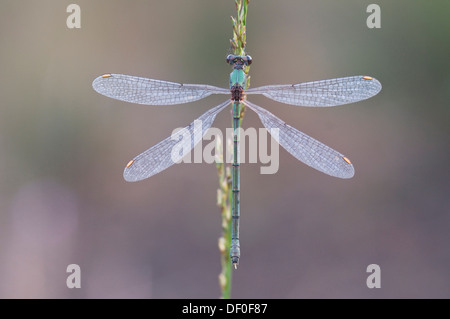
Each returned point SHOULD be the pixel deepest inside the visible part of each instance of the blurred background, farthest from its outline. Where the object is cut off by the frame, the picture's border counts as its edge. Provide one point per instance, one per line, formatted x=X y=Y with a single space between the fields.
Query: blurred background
x=304 y=234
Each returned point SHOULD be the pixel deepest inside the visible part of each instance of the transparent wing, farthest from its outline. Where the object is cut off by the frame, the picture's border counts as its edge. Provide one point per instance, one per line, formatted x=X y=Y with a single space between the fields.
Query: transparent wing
x=322 y=93
x=305 y=148
x=151 y=92
x=172 y=149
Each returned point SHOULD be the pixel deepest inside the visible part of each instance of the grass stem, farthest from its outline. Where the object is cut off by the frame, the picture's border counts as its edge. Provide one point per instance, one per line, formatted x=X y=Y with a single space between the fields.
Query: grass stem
x=224 y=193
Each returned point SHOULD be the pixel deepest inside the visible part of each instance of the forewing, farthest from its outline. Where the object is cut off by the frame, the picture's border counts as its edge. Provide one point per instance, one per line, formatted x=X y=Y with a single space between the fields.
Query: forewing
x=151 y=92
x=322 y=93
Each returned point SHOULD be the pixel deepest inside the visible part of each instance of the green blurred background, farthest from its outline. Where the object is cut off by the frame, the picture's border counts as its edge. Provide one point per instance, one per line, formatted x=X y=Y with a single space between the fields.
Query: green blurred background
x=303 y=234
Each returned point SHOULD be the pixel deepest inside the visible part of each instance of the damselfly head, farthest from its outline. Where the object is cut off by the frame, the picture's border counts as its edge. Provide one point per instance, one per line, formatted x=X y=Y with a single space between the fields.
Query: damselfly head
x=239 y=60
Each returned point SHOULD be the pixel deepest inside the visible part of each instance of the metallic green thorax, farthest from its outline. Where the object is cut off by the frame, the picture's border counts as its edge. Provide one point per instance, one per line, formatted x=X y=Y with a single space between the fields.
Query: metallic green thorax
x=238 y=78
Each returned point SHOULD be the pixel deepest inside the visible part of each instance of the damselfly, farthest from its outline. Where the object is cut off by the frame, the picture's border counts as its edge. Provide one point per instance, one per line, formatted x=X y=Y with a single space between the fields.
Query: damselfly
x=306 y=149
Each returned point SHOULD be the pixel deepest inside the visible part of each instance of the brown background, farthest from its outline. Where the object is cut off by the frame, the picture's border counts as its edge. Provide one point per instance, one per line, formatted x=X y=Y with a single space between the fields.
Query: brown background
x=303 y=234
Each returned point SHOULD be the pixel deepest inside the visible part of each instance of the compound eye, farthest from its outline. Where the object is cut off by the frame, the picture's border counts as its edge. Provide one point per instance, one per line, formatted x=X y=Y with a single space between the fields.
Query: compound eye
x=229 y=57
x=249 y=60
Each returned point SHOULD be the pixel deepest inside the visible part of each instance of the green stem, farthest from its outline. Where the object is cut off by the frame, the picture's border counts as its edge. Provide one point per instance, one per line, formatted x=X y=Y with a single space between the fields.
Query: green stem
x=224 y=193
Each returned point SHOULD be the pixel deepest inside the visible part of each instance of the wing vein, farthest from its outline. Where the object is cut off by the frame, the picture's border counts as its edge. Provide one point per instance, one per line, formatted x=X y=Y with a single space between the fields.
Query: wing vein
x=151 y=92
x=303 y=147
x=324 y=93
x=173 y=148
